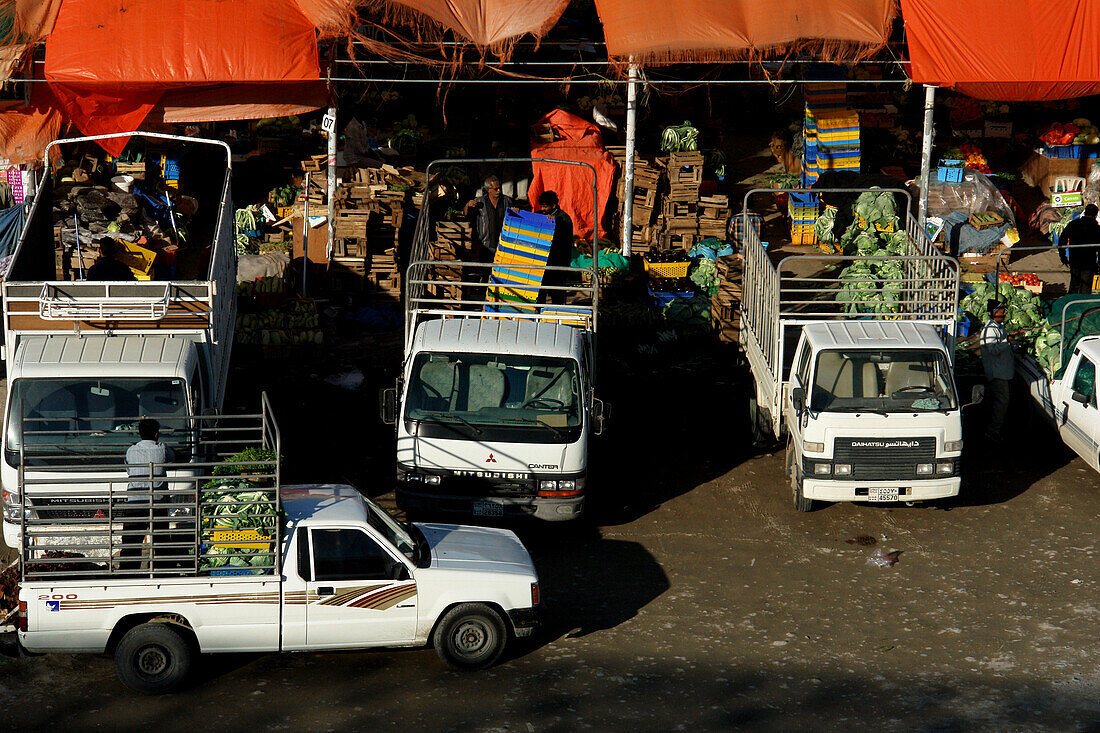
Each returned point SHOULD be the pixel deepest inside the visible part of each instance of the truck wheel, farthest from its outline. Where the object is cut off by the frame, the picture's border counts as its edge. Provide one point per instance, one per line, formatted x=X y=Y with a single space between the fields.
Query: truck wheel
x=470 y=636
x=759 y=427
x=153 y=659
x=801 y=503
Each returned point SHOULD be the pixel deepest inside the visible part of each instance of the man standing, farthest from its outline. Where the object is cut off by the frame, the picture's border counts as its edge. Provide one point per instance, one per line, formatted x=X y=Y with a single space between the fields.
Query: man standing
x=139 y=500
x=491 y=206
x=561 y=247
x=999 y=365
x=1081 y=259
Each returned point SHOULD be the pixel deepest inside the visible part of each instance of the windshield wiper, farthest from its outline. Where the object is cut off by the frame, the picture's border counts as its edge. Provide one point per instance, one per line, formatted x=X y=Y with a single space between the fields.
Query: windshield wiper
x=534 y=420
x=464 y=421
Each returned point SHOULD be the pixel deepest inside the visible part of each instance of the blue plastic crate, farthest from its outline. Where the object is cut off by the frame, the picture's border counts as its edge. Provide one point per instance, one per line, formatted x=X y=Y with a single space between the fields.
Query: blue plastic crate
x=662 y=298
x=1069 y=151
x=950 y=174
x=226 y=572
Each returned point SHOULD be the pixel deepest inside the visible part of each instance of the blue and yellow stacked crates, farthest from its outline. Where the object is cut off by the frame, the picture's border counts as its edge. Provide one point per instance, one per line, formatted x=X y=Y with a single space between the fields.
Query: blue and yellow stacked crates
x=525 y=239
x=802 y=208
x=832 y=142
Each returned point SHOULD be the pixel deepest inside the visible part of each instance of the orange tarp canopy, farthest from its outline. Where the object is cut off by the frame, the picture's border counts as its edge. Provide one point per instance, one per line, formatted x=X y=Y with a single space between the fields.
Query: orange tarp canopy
x=1032 y=51
x=663 y=31
x=485 y=22
x=582 y=142
x=110 y=63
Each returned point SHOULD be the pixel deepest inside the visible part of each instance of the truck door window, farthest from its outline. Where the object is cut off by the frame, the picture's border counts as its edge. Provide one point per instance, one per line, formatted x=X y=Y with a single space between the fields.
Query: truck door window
x=1084 y=381
x=303 y=553
x=348 y=554
x=803 y=371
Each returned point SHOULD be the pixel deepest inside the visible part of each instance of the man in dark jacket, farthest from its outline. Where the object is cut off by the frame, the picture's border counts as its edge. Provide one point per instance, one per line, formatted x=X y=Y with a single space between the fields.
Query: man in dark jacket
x=1081 y=259
x=491 y=206
x=561 y=247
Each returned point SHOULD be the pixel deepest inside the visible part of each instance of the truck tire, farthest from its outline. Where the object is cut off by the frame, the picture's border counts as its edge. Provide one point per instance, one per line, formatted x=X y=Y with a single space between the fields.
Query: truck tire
x=470 y=636
x=153 y=659
x=759 y=423
x=801 y=503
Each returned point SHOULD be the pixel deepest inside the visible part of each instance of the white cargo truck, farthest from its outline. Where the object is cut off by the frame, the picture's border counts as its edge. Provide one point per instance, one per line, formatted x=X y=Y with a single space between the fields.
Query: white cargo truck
x=265 y=568
x=86 y=359
x=495 y=408
x=858 y=379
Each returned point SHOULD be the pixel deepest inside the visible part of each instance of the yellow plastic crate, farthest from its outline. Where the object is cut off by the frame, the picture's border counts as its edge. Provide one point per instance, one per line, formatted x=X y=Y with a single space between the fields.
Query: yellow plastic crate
x=137 y=258
x=245 y=539
x=667 y=269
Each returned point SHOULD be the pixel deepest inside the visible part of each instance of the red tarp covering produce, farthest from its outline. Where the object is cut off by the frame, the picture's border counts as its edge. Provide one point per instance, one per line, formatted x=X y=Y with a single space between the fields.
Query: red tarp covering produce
x=660 y=31
x=580 y=141
x=1029 y=51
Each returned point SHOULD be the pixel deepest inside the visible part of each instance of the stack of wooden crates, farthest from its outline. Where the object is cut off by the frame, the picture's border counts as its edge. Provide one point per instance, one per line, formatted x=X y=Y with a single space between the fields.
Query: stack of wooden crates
x=725 y=305
x=647 y=178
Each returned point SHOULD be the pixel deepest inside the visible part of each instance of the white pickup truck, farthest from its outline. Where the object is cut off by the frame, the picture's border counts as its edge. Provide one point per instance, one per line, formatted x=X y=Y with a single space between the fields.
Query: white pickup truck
x=1067 y=401
x=346 y=576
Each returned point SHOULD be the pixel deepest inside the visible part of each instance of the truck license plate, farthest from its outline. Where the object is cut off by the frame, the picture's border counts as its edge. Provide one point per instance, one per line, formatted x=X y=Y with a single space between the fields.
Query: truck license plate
x=882 y=494
x=496 y=509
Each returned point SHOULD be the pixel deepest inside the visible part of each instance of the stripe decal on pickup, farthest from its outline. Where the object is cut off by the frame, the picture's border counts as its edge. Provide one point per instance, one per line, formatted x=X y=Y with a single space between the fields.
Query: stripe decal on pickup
x=378 y=597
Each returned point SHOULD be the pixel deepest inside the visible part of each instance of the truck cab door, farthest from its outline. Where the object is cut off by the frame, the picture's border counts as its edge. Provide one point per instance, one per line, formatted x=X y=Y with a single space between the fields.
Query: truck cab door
x=359 y=593
x=1079 y=420
x=800 y=379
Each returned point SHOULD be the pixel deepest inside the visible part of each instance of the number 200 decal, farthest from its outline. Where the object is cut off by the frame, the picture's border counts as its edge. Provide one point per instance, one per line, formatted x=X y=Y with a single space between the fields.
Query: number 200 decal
x=58 y=597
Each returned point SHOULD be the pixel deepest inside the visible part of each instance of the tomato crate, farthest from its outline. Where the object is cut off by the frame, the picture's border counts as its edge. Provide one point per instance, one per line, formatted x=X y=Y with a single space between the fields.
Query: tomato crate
x=667 y=269
x=1027 y=280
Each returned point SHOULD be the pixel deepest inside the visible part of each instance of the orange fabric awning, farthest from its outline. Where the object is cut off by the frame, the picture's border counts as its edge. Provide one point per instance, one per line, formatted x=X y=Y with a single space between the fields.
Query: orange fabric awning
x=655 y=31
x=484 y=22
x=110 y=63
x=1039 y=50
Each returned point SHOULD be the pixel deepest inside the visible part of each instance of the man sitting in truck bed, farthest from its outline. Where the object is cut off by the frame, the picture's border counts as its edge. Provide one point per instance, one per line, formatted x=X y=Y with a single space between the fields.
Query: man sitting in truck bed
x=107 y=267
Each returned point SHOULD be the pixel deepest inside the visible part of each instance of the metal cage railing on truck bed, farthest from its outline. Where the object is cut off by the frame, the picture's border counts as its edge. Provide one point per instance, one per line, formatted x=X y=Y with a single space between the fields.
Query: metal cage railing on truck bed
x=450 y=289
x=783 y=293
x=215 y=515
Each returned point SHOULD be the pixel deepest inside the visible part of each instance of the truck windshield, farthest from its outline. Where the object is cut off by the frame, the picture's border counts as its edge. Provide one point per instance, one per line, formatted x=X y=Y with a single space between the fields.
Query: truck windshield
x=898 y=380
x=70 y=421
x=477 y=391
x=380 y=519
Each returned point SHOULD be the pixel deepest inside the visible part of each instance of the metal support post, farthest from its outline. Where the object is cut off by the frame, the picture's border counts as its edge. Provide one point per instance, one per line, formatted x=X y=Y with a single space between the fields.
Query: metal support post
x=926 y=153
x=332 y=184
x=628 y=167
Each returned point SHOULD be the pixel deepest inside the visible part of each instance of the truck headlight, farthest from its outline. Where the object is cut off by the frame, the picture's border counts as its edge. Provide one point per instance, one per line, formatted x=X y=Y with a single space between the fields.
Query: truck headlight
x=953 y=446
x=548 y=485
x=567 y=485
x=945 y=467
x=809 y=447
x=10 y=505
x=433 y=480
x=924 y=469
x=843 y=469
x=823 y=469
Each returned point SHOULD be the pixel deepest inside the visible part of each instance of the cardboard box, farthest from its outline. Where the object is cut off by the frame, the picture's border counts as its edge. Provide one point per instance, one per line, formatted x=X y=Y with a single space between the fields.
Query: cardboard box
x=318 y=242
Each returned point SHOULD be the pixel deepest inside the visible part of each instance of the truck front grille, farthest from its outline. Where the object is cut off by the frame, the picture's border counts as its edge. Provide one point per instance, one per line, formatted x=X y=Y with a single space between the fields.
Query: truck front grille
x=884 y=459
x=474 y=487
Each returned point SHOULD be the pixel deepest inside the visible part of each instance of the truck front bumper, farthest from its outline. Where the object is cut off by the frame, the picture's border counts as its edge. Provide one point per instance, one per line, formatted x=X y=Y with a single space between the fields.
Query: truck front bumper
x=525 y=621
x=548 y=509
x=909 y=490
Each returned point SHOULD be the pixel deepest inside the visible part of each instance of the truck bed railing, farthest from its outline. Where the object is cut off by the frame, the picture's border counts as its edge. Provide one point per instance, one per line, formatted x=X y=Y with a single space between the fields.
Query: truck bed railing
x=50 y=307
x=803 y=289
x=210 y=516
x=451 y=289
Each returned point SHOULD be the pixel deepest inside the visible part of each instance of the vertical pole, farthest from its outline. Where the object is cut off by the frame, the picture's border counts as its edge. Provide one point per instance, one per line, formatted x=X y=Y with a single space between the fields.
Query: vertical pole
x=628 y=166
x=305 y=234
x=926 y=153
x=332 y=184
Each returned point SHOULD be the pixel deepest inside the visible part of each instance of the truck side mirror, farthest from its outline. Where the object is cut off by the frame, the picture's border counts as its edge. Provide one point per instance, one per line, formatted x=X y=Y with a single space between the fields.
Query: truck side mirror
x=387 y=405
x=1080 y=397
x=976 y=395
x=798 y=399
x=600 y=412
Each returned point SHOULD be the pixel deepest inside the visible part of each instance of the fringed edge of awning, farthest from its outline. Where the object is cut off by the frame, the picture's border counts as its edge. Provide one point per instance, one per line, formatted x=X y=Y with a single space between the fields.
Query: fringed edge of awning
x=826 y=50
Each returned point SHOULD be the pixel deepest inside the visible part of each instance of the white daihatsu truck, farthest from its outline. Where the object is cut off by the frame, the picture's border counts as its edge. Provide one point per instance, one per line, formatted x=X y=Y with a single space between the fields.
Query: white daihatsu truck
x=861 y=385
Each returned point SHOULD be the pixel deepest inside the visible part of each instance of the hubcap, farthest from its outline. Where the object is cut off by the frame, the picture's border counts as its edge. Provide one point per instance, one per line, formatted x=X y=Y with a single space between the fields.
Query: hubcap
x=471 y=637
x=152 y=661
